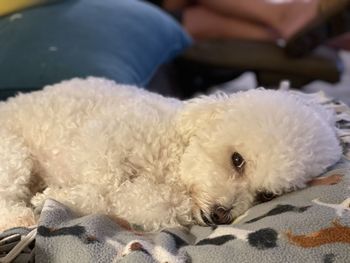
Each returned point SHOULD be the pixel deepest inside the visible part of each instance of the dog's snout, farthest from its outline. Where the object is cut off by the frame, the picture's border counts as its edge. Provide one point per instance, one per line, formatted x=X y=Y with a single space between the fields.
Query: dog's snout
x=221 y=216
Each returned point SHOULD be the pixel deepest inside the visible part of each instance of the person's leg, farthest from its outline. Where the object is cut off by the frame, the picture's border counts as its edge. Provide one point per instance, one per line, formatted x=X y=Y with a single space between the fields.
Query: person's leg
x=203 y=23
x=286 y=17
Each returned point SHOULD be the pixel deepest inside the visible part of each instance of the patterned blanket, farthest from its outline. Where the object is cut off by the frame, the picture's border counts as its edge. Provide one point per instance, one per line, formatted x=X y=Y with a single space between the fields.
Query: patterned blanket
x=309 y=225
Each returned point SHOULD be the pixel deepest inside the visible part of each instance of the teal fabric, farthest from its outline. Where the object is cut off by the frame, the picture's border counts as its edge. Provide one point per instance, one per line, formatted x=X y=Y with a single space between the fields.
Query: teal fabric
x=124 y=40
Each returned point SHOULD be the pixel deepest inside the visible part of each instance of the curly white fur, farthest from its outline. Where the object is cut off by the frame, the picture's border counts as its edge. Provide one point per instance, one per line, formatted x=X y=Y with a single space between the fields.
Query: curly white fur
x=101 y=147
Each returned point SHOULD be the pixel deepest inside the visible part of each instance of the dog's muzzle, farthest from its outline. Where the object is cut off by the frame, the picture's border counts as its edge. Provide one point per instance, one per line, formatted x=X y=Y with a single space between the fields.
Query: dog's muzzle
x=219 y=216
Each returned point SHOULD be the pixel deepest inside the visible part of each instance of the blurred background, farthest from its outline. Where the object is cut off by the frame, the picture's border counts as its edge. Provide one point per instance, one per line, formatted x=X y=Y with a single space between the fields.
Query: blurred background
x=178 y=48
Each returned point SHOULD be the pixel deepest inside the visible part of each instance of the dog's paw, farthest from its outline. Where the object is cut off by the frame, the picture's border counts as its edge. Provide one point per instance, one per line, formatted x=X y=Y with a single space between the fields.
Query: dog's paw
x=16 y=216
x=25 y=221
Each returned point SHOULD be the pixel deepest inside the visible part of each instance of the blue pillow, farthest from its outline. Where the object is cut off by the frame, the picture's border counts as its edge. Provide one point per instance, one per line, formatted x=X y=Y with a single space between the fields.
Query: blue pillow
x=124 y=40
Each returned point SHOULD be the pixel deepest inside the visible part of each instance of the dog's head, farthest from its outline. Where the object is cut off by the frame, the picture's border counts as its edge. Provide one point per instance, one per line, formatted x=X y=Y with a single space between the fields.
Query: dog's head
x=248 y=143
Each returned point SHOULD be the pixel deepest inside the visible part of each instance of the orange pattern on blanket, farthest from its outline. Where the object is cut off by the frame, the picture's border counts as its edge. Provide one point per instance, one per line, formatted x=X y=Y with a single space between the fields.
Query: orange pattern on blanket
x=121 y=222
x=125 y=224
x=328 y=180
x=335 y=234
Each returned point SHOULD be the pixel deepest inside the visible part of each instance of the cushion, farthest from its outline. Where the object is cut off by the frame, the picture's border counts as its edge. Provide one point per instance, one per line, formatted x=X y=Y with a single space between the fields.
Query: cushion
x=123 y=40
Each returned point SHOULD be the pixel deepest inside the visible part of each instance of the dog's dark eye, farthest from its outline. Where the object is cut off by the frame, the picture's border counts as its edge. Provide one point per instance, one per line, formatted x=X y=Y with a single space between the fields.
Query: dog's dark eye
x=237 y=161
x=262 y=197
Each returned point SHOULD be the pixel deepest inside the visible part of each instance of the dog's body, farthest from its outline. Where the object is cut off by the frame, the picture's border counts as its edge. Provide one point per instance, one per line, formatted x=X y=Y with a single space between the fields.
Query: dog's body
x=155 y=161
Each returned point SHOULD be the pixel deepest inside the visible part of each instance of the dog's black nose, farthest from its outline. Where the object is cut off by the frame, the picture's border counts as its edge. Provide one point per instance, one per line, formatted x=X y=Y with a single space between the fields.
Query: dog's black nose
x=221 y=216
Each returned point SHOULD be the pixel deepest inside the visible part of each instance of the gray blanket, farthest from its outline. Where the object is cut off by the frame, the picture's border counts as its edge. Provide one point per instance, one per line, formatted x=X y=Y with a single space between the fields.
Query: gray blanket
x=309 y=225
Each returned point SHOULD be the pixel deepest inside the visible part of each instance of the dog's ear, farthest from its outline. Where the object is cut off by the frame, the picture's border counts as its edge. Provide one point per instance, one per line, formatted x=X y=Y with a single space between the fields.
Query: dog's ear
x=200 y=112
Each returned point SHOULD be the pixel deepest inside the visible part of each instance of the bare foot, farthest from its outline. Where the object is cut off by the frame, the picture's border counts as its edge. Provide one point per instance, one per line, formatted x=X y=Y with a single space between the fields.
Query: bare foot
x=291 y=17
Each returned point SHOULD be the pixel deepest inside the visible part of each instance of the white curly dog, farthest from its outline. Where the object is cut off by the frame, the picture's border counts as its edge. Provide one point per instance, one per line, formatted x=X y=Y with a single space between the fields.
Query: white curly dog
x=99 y=147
